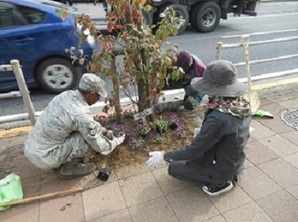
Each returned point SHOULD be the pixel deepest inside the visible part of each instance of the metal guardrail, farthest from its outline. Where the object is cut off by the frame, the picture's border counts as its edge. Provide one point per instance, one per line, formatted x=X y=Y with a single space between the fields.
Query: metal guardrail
x=245 y=44
x=16 y=68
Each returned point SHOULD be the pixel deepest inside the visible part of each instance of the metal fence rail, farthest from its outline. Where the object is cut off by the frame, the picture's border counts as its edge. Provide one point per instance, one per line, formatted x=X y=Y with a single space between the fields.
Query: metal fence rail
x=16 y=68
x=245 y=44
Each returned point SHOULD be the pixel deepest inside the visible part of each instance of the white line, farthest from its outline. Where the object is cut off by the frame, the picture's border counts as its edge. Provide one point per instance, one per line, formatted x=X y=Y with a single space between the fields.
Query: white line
x=263 y=16
x=261 y=33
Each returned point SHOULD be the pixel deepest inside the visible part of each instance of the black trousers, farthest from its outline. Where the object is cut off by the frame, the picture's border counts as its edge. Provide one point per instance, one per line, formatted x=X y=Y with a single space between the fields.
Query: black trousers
x=203 y=170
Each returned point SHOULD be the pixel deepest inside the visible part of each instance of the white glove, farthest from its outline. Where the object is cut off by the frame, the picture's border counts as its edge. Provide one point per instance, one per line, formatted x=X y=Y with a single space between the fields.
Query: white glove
x=196 y=132
x=119 y=139
x=156 y=159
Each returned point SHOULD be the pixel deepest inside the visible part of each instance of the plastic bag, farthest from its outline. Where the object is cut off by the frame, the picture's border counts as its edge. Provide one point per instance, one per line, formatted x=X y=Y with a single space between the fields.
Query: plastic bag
x=10 y=189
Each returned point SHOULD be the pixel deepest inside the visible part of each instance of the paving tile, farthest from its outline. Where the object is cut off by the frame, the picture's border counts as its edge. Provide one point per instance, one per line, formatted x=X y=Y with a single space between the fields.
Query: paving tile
x=31 y=187
x=218 y=218
x=257 y=184
x=154 y=210
x=250 y=212
x=275 y=124
x=264 y=101
x=230 y=200
x=248 y=164
x=131 y=170
x=103 y=200
x=293 y=191
x=140 y=188
x=291 y=136
x=21 y=213
x=50 y=182
x=260 y=131
x=289 y=103
x=281 y=171
x=68 y=208
x=23 y=168
x=192 y=205
x=279 y=145
x=121 y=216
x=292 y=159
x=274 y=108
x=167 y=183
x=280 y=206
x=258 y=153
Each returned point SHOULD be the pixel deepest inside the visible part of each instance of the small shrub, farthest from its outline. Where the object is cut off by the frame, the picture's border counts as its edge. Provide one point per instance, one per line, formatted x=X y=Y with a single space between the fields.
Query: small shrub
x=157 y=138
x=161 y=125
x=143 y=129
x=136 y=143
x=181 y=132
x=118 y=129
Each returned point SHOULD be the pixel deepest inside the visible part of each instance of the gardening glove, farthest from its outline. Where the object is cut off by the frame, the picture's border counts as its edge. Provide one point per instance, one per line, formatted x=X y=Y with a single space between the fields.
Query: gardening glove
x=107 y=133
x=156 y=159
x=119 y=139
x=196 y=132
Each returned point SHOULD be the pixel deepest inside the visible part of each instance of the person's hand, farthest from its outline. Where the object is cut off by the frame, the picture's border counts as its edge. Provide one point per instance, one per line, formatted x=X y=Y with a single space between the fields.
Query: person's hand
x=119 y=139
x=156 y=159
x=110 y=134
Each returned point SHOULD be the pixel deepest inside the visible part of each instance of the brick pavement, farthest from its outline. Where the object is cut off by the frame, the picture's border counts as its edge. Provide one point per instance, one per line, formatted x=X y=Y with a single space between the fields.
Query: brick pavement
x=268 y=190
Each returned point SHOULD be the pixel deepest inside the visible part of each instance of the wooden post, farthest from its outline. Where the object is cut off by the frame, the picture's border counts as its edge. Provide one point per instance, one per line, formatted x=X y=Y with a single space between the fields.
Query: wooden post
x=23 y=89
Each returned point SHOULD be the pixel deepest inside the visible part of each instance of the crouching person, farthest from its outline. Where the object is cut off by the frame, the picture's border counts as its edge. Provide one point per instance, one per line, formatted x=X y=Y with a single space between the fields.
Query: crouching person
x=66 y=131
x=216 y=155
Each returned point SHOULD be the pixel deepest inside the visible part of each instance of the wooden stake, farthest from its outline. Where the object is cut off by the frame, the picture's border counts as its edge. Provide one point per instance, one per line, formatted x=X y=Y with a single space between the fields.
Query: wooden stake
x=42 y=197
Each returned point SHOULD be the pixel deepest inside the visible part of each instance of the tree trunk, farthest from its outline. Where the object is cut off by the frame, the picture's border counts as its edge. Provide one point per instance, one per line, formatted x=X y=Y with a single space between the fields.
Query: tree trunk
x=116 y=91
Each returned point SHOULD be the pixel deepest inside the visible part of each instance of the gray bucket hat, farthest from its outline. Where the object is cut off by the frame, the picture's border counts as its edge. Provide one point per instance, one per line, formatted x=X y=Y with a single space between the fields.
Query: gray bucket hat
x=92 y=83
x=219 y=79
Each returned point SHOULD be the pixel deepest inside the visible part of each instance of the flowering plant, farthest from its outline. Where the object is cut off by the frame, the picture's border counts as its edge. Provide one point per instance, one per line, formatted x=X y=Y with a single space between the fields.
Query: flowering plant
x=161 y=125
x=143 y=129
x=118 y=129
x=174 y=121
x=181 y=132
x=136 y=143
x=157 y=138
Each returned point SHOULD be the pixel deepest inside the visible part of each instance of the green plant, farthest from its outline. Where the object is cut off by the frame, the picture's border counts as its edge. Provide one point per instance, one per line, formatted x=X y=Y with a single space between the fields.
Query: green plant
x=157 y=138
x=136 y=143
x=143 y=129
x=145 y=58
x=161 y=125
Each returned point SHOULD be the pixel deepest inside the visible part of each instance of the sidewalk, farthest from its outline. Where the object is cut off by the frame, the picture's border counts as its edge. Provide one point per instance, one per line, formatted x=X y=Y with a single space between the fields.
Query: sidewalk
x=268 y=190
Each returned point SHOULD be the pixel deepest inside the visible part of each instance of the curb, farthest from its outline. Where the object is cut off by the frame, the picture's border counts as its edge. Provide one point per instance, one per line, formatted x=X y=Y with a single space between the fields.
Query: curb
x=15 y=132
x=263 y=84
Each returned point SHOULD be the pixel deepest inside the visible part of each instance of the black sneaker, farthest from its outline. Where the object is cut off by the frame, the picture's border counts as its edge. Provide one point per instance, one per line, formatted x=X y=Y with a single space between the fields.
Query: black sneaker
x=215 y=191
x=236 y=179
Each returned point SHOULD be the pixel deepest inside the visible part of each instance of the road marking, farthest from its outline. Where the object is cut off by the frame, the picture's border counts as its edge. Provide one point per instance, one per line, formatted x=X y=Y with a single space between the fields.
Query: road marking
x=263 y=16
x=261 y=33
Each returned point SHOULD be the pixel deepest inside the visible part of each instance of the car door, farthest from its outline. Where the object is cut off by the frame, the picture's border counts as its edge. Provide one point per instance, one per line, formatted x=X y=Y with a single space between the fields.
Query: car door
x=20 y=34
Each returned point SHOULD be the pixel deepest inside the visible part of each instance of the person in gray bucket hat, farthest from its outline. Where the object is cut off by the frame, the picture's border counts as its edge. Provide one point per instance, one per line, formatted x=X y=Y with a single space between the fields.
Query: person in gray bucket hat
x=66 y=131
x=215 y=157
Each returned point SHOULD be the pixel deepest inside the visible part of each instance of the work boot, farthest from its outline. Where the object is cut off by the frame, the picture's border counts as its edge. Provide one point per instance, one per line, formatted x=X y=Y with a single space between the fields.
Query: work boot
x=75 y=169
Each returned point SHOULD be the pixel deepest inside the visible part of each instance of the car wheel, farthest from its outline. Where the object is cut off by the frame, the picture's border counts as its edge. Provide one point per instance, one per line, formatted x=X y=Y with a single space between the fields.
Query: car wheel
x=57 y=75
x=181 y=11
x=205 y=17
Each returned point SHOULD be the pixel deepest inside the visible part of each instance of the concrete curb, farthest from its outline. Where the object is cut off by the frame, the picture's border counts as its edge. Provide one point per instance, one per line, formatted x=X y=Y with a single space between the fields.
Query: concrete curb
x=173 y=94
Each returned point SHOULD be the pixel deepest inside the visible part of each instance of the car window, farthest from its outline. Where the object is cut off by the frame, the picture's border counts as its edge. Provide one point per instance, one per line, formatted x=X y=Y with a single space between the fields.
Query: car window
x=9 y=16
x=32 y=16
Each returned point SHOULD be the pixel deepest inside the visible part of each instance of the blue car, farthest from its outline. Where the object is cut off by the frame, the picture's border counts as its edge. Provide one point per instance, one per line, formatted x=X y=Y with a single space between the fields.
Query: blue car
x=32 y=32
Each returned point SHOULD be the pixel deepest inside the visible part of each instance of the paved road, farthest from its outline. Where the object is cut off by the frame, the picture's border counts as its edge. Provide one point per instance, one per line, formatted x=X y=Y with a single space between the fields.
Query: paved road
x=274 y=20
